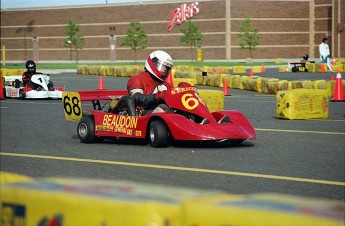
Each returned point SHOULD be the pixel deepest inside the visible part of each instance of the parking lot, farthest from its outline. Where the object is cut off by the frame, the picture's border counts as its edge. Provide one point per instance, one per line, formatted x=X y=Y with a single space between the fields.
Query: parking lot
x=300 y=157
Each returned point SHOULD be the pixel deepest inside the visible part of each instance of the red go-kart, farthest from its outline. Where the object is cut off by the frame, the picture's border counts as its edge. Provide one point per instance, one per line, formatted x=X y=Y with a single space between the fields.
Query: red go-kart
x=187 y=120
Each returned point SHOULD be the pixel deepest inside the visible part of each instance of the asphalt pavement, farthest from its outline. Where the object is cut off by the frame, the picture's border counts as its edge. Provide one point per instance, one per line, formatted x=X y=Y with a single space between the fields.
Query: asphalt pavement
x=300 y=157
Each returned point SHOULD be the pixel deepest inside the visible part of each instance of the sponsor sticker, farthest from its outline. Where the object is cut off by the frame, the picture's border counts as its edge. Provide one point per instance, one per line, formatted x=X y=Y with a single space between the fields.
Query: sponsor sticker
x=13 y=214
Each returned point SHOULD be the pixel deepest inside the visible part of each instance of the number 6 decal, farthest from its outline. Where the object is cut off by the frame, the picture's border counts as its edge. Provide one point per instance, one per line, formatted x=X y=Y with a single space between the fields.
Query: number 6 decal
x=72 y=106
x=189 y=101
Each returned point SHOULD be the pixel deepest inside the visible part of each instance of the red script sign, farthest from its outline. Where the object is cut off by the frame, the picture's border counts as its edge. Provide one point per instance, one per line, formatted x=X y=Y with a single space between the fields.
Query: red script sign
x=181 y=14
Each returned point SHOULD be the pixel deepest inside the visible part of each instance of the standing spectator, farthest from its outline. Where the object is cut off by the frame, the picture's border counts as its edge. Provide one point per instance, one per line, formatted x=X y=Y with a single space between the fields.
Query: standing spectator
x=324 y=53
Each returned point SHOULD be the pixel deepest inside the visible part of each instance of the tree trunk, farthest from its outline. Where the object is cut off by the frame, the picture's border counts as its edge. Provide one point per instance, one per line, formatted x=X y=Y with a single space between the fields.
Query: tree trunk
x=250 y=52
x=191 y=52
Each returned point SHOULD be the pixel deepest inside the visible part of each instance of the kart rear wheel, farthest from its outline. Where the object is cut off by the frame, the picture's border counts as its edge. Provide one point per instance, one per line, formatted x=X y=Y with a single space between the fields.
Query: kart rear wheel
x=158 y=134
x=86 y=130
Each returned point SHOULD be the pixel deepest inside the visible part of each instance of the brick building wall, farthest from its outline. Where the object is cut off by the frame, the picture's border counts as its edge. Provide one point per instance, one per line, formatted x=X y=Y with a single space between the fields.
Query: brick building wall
x=287 y=29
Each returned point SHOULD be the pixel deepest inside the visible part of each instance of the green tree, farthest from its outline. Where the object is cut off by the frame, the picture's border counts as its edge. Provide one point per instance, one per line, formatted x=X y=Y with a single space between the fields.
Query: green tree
x=136 y=38
x=74 y=40
x=191 y=36
x=249 y=37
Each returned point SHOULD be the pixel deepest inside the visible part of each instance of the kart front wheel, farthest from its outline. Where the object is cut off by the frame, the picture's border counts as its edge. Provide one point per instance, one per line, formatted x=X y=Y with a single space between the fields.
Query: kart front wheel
x=86 y=130
x=158 y=134
x=236 y=141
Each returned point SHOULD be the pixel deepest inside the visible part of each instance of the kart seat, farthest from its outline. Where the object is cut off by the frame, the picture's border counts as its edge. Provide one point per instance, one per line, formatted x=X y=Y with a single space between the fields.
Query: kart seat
x=125 y=104
x=224 y=119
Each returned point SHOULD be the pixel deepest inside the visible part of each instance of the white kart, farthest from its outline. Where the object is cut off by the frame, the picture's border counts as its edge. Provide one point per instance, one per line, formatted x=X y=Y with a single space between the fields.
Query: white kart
x=13 y=88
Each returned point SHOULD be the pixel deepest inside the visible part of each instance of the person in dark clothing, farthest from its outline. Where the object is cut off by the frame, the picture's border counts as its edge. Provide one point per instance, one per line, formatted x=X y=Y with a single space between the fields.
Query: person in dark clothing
x=30 y=71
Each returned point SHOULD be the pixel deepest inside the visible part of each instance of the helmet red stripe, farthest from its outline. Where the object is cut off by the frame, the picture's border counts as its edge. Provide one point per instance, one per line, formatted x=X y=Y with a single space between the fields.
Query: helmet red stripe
x=153 y=67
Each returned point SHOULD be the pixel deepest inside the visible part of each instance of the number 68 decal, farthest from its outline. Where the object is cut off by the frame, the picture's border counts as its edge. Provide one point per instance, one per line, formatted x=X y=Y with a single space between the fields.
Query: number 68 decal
x=72 y=106
x=189 y=101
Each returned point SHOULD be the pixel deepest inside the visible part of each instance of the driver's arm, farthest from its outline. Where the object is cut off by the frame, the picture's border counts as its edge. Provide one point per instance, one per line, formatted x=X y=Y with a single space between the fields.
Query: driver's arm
x=135 y=89
x=142 y=99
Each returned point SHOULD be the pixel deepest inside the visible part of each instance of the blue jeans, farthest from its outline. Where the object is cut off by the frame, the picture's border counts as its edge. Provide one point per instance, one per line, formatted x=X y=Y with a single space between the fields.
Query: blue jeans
x=324 y=60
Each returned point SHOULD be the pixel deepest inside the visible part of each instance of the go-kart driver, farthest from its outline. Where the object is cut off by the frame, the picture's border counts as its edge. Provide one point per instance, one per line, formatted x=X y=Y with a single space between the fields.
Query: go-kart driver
x=147 y=89
x=30 y=71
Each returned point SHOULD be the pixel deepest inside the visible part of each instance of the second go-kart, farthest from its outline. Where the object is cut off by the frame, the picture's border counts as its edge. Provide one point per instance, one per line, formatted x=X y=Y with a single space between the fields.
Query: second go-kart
x=187 y=120
x=13 y=88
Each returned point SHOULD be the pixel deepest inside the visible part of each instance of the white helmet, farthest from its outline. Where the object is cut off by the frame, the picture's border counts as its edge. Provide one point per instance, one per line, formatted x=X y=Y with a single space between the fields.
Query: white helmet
x=159 y=64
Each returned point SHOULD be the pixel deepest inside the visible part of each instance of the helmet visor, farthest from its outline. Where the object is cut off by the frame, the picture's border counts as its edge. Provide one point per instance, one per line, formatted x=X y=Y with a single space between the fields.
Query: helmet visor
x=163 y=68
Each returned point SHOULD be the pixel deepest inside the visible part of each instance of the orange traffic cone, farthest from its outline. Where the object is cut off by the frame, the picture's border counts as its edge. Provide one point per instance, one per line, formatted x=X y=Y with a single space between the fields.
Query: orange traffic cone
x=332 y=77
x=170 y=79
x=2 y=91
x=263 y=68
x=338 y=94
x=225 y=88
x=100 y=83
x=334 y=62
x=322 y=67
x=251 y=73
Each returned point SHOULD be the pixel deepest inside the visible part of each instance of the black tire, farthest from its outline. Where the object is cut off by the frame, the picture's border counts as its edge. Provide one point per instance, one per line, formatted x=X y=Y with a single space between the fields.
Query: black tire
x=4 y=93
x=50 y=86
x=22 y=94
x=86 y=130
x=17 y=83
x=236 y=141
x=158 y=134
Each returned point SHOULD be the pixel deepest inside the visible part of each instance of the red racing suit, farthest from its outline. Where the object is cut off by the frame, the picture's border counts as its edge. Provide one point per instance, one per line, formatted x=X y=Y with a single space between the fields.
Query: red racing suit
x=145 y=89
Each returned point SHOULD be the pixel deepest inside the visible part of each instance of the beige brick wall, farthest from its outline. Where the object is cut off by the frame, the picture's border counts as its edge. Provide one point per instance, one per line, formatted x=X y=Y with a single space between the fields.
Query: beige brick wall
x=283 y=29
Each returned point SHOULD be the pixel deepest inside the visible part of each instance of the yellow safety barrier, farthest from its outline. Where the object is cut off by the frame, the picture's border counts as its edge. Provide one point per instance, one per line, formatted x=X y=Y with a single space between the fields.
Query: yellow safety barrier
x=236 y=82
x=93 y=202
x=263 y=209
x=209 y=79
x=179 y=80
x=239 y=69
x=216 y=76
x=10 y=72
x=256 y=69
x=265 y=84
x=7 y=177
x=222 y=70
x=73 y=201
x=274 y=86
x=214 y=99
x=81 y=69
x=338 y=67
x=302 y=104
x=218 y=80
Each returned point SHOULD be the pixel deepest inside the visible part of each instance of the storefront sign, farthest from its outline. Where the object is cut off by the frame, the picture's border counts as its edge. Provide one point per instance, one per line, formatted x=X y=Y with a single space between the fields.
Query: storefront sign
x=182 y=13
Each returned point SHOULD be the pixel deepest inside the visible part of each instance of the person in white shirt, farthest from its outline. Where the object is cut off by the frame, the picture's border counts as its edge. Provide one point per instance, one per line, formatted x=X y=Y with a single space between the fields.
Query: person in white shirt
x=324 y=53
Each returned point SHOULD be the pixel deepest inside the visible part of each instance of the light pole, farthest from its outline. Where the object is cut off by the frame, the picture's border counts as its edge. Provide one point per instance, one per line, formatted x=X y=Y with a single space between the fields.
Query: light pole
x=112 y=44
x=112 y=49
x=70 y=48
x=35 y=48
